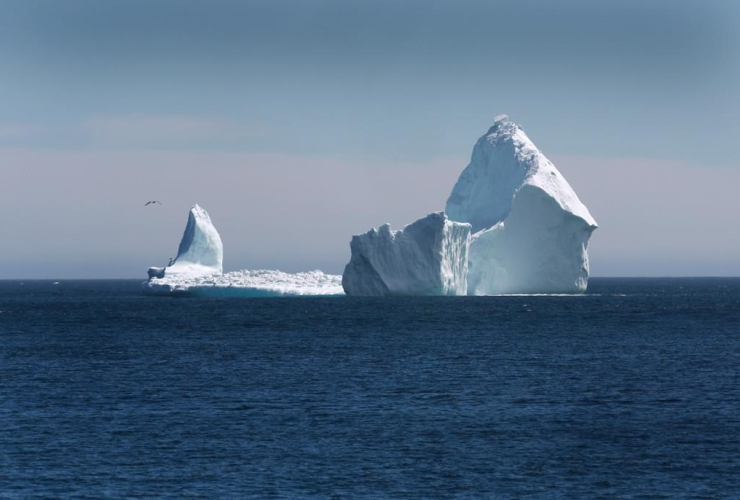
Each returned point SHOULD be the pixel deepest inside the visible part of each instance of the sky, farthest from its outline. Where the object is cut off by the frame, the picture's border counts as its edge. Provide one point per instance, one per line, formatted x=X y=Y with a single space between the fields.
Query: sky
x=297 y=124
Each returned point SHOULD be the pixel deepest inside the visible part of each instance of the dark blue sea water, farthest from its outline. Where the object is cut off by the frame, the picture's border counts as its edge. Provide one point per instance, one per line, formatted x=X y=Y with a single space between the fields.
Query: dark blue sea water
x=631 y=391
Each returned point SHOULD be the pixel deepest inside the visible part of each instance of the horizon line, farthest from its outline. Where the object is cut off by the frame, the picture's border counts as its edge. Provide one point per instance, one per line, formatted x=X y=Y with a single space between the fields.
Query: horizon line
x=590 y=278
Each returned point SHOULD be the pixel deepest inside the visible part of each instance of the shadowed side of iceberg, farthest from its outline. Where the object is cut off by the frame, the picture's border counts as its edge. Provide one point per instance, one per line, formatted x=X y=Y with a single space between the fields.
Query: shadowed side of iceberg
x=539 y=248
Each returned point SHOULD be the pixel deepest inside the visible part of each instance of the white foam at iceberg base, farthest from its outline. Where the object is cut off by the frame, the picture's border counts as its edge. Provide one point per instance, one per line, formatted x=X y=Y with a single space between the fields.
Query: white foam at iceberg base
x=261 y=283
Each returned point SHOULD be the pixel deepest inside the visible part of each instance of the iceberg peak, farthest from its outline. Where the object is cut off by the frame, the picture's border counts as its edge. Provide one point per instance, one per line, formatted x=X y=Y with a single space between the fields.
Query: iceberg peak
x=530 y=229
x=201 y=251
x=503 y=160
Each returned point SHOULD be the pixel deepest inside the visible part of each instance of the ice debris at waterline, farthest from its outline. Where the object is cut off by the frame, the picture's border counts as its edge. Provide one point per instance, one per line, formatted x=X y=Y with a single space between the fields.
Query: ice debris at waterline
x=427 y=257
x=531 y=230
x=201 y=251
x=198 y=270
x=261 y=283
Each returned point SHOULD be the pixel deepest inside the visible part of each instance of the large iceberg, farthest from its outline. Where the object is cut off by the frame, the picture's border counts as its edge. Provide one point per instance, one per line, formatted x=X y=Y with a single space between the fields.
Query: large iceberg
x=427 y=257
x=531 y=231
x=200 y=253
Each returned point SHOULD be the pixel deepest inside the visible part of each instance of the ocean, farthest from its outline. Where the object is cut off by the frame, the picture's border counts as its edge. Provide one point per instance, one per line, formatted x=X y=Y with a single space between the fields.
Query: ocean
x=629 y=391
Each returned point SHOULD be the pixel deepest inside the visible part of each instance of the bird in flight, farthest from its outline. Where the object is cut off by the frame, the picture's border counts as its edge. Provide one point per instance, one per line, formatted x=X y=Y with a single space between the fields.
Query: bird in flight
x=150 y=202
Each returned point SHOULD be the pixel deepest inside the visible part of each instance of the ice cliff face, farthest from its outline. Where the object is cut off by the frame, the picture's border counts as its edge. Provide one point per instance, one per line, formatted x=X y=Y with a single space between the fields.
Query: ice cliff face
x=531 y=230
x=427 y=257
x=201 y=251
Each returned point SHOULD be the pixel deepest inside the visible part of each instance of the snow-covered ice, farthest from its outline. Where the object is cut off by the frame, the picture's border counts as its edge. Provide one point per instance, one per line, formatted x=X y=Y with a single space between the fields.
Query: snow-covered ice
x=427 y=257
x=531 y=231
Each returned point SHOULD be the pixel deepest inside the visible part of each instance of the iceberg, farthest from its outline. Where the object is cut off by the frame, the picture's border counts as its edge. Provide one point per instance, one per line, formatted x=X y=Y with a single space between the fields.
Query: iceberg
x=426 y=257
x=531 y=231
x=512 y=225
x=198 y=270
x=201 y=251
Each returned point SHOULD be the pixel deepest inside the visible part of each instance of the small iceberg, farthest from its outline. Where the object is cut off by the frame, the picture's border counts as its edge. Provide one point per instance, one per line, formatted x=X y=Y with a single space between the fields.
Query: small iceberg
x=198 y=270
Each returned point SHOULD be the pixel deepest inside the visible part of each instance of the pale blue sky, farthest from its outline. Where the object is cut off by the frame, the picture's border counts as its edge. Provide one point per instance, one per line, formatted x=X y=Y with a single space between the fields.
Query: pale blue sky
x=297 y=124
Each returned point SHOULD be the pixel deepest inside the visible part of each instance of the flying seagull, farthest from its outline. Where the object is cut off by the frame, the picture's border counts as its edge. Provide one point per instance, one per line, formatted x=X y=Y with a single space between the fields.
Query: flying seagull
x=153 y=201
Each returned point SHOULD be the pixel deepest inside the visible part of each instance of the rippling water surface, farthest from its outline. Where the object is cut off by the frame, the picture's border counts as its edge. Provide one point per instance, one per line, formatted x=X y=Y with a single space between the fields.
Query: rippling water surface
x=632 y=390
